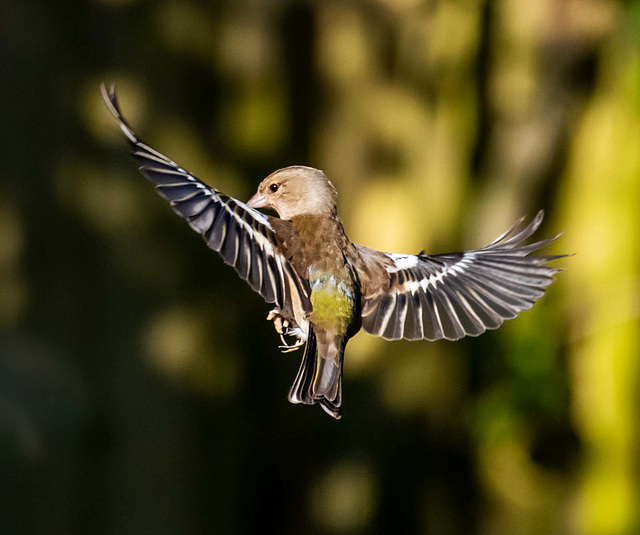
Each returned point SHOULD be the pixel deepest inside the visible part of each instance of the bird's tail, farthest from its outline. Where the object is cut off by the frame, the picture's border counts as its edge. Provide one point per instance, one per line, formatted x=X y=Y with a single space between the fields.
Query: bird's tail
x=319 y=378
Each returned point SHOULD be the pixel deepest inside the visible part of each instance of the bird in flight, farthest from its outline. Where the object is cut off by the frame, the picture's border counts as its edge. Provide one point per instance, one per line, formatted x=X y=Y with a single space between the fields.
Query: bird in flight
x=326 y=288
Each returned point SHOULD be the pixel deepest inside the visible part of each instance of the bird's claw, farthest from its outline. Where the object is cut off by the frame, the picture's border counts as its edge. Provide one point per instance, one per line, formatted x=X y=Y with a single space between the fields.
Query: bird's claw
x=288 y=348
x=279 y=323
x=281 y=326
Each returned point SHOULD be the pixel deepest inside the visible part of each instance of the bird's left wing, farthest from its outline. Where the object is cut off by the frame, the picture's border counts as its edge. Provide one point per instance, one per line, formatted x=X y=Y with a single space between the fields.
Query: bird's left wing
x=244 y=238
x=454 y=295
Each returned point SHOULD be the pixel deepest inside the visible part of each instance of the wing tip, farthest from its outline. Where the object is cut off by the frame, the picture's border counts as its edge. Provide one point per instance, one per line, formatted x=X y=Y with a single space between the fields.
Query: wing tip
x=110 y=97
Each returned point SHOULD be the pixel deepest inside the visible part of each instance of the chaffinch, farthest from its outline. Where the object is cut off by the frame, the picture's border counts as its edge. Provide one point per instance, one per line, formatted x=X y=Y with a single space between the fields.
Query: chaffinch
x=326 y=288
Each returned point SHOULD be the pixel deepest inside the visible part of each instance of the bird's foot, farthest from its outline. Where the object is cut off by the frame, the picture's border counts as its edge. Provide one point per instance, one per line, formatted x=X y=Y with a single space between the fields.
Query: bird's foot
x=281 y=325
x=279 y=322
x=288 y=348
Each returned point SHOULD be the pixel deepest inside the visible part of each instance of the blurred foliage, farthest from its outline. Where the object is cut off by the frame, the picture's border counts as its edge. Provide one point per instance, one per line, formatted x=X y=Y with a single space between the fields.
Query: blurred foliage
x=141 y=390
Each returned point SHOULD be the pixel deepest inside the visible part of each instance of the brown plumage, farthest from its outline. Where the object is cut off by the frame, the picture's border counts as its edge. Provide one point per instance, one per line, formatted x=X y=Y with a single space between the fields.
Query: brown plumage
x=311 y=237
x=326 y=288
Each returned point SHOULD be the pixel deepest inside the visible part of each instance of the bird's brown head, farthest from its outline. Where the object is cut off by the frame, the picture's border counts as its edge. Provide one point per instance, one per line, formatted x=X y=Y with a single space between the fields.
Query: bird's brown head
x=296 y=190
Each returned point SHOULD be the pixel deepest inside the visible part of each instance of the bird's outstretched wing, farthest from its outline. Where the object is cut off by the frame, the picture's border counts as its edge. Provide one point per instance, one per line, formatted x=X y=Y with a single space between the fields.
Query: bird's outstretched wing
x=454 y=295
x=242 y=236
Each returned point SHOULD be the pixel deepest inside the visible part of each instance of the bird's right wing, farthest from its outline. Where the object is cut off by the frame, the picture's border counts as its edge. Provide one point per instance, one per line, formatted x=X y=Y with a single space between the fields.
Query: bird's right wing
x=242 y=236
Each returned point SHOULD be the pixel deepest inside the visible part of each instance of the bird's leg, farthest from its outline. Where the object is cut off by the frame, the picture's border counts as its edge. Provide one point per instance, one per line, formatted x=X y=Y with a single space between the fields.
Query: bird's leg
x=288 y=348
x=281 y=325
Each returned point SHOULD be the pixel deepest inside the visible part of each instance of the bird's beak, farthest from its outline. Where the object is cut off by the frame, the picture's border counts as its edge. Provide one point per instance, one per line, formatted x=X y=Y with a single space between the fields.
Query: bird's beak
x=257 y=201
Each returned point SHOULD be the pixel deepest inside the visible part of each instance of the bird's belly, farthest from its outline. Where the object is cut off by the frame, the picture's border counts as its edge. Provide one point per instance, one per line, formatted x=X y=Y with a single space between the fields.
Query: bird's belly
x=332 y=301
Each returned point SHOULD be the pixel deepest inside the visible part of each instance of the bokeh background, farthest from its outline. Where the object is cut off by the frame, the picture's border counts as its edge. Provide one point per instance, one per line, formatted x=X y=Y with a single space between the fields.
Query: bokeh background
x=141 y=389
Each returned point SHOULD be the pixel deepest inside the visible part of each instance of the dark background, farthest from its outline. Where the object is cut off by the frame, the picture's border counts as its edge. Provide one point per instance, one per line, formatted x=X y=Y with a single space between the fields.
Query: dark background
x=141 y=389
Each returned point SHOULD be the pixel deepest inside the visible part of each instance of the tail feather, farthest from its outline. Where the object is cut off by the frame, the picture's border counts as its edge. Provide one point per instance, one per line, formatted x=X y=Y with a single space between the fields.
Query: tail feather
x=327 y=377
x=300 y=391
x=319 y=378
x=334 y=407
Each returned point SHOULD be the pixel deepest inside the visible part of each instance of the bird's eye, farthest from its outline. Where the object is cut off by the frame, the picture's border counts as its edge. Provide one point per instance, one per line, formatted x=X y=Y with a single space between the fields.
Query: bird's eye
x=273 y=188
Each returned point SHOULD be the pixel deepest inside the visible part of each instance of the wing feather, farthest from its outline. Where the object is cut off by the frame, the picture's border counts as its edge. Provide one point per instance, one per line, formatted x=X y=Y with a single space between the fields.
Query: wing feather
x=459 y=294
x=242 y=236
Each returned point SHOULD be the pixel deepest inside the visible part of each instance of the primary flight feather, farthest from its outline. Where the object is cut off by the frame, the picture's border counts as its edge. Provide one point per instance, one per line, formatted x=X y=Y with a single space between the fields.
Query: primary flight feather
x=325 y=288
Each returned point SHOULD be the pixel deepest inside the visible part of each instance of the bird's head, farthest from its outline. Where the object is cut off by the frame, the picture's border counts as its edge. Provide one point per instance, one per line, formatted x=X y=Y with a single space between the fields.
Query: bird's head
x=294 y=191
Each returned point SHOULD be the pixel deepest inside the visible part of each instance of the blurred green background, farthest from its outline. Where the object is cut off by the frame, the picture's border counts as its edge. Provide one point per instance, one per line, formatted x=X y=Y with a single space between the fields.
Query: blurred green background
x=141 y=389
